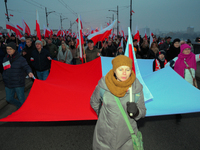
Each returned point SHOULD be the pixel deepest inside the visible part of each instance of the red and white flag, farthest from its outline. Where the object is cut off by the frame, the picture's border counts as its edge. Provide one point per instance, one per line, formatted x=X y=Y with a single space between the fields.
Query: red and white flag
x=59 y=32
x=12 y=27
x=151 y=39
x=38 y=26
x=19 y=27
x=77 y=41
x=81 y=41
x=101 y=35
x=80 y=22
x=1 y=34
x=6 y=65
x=26 y=28
x=129 y=52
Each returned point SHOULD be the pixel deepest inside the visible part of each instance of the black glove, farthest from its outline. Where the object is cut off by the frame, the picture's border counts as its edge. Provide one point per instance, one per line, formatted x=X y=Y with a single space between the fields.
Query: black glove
x=132 y=108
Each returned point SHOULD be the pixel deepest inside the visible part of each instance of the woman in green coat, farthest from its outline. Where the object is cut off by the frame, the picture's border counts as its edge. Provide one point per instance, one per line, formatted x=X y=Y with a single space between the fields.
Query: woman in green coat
x=111 y=131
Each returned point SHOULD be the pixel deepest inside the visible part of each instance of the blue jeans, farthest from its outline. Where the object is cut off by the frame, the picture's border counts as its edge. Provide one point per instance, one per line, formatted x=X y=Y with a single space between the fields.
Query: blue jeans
x=10 y=96
x=42 y=75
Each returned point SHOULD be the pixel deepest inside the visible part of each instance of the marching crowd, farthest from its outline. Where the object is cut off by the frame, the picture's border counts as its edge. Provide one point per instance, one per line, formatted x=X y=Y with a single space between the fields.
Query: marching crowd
x=35 y=56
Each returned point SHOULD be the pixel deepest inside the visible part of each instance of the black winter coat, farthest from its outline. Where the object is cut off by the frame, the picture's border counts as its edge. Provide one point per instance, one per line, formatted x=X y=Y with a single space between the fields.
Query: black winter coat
x=14 y=76
x=40 y=61
x=28 y=51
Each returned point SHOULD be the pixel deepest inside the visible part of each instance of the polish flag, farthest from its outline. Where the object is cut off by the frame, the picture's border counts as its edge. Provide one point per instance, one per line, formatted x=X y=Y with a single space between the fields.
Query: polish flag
x=0 y=34
x=6 y=65
x=132 y=12
x=31 y=59
x=80 y=22
x=38 y=26
x=81 y=42
x=11 y=15
x=26 y=28
x=46 y=32
x=12 y=27
x=51 y=32
x=129 y=52
x=59 y=33
x=101 y=35
x=6 y=14
x=19 y=27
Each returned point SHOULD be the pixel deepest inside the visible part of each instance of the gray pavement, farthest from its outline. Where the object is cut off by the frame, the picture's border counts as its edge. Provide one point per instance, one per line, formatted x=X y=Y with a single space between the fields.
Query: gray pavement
x=159 y=133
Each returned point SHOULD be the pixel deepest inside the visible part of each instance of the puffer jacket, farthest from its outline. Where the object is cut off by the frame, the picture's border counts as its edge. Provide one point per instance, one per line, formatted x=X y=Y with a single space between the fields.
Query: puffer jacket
x=14 y=76
x=111 y=131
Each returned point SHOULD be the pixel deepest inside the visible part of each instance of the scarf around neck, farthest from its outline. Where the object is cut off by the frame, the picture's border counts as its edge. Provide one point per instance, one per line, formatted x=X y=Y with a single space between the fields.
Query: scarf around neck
x=118 y=88
x=180 y=66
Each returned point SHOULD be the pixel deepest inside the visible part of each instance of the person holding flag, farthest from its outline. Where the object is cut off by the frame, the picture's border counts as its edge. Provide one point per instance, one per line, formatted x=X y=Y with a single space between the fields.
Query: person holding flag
x=14 y=66
x=113 y=90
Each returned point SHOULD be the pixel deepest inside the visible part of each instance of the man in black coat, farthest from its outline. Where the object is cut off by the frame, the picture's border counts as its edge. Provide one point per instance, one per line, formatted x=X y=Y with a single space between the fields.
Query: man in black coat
x=27 y=51
x=13 y=75
x=41 y=60
x=111 y=50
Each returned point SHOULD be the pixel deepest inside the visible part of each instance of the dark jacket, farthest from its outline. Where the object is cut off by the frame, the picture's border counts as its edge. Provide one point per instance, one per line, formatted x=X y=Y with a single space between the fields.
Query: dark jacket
x=57 y=42
x=172 y=52
x=40 y=61
x=14 y=76
x=52 y=50
x=28 y=51
x=151 y=54
x=91 y=54
x=110 y=50
x=165 y=46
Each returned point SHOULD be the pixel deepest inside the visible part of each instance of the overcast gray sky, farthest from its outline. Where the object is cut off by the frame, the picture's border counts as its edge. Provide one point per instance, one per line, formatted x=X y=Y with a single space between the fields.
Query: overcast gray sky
x=165 y=15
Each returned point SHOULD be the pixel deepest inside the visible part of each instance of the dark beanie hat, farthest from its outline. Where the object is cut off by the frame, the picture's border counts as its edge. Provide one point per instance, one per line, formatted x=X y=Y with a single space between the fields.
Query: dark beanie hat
x=176 y=40
x=12 y=45
x=162 y=52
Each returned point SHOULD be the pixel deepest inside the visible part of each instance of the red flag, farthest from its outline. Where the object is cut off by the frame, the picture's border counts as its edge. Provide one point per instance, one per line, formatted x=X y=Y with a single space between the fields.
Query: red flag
x=26 y=28
x=77 y=41
x=145 y=36
x=51 y=32
x=118 y=21
x=152 y=34
x=6 y=14
x=108 y=24
x=8 y=34
x=38 y=26
x=11 y=15
x=101 y=35
x=137 y=36
x=0 y=34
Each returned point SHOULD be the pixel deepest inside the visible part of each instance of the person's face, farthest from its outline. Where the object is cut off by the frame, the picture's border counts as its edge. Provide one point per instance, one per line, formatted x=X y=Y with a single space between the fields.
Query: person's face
x=49 y=41
x=109 y=42
x=72 y=43
x=123 y=73
x=135 y=43
x=10 y=51
x=90 y=45
x=28 y=43
x=62 y=42
x=34 y=39
x=63 y=46
x=12 y=37
x=161 y=56
x=22 y=41
x=38 y=46
x=168 y=40
x=176 y=44
x=120 y=50
x=154 y=45
x=105 y=45
x=186 y=51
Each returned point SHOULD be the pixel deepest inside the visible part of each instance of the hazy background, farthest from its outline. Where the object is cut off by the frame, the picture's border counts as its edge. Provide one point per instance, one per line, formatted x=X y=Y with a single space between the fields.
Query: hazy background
x=158 y=15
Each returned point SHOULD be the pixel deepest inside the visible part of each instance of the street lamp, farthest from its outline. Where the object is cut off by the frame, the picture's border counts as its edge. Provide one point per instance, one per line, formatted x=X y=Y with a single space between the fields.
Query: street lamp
x=61 y=19
x=116 y=11
x=47 y=13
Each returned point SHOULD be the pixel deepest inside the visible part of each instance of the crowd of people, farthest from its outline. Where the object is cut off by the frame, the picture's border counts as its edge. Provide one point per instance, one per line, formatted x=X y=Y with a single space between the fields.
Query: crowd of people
x=38 y=54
